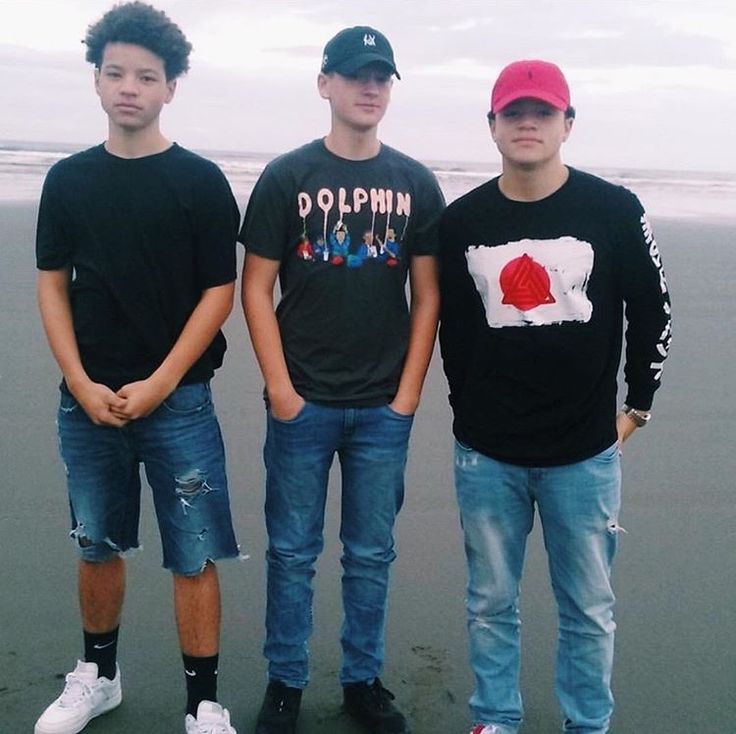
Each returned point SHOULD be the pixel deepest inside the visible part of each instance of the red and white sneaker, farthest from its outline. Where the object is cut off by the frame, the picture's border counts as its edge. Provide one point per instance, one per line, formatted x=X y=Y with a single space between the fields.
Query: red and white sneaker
x=485 y=729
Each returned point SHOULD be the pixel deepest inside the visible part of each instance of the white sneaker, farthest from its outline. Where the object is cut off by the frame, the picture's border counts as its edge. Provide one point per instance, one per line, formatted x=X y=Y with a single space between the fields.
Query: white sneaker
x=84 y=697
x=211 y=719
x=485 y=729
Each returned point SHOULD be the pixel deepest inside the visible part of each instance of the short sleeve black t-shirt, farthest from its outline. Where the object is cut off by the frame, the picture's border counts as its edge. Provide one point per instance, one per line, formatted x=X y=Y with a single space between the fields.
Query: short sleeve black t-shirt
x=344 y=232
x=143 y=238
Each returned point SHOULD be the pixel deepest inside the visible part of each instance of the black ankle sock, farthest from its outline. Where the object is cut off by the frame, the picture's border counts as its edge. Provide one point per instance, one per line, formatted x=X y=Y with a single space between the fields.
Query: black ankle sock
x=102 y=648
x=201 y=675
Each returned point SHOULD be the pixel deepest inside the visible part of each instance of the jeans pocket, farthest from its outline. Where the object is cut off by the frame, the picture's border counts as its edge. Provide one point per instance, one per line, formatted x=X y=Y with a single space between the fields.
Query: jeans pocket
x=396 y=414
x=286 y=421
x=189 y=399
x=463 y=446
x=67 y=402
x=609 y=454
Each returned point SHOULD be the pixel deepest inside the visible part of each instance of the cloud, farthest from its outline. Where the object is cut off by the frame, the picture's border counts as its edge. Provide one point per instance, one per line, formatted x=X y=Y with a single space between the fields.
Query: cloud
x=639 y=72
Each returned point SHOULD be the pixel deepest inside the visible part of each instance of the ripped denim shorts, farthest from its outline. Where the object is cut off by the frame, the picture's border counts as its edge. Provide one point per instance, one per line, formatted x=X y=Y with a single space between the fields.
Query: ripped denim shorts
x=180 y=447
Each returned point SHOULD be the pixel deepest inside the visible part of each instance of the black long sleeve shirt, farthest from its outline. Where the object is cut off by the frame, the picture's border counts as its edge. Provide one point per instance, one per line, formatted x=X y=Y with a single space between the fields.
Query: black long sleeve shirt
x=534 y=296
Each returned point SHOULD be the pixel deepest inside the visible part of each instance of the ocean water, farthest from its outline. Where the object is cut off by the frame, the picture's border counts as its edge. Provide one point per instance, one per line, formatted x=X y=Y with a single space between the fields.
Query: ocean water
x=673 y=194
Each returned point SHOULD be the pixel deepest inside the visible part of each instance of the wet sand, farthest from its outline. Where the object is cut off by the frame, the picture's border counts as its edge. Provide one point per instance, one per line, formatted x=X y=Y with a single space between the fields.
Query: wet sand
x=675 y=578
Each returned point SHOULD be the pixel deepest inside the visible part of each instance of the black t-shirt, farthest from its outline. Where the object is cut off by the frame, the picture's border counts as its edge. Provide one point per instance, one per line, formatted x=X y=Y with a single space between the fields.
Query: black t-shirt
x=144 y=237
x=344 y=232
x=533 y=298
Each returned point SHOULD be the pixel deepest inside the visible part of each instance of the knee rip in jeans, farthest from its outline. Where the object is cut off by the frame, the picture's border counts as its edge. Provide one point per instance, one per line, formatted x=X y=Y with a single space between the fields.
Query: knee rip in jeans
x=482 y=626
x=199 y=571
x=189 y=486
x=614 y=528
x=84 y=541
x=492 y=611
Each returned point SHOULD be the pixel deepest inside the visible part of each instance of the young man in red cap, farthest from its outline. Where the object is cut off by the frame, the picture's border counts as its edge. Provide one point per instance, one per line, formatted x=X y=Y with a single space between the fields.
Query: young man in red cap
x=537 y=268
x=344 y=359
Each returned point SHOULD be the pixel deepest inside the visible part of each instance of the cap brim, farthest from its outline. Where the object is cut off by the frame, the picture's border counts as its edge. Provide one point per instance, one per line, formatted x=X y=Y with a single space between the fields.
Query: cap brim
x=351 y=65
x=552 y=99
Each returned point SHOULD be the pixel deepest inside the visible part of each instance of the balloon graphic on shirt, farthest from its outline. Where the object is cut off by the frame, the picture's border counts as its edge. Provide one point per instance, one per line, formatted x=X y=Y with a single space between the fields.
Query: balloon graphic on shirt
x=525 y=284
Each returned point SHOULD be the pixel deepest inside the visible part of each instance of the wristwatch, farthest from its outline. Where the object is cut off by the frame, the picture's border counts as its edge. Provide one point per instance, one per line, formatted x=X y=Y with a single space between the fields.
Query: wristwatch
x=640 y=417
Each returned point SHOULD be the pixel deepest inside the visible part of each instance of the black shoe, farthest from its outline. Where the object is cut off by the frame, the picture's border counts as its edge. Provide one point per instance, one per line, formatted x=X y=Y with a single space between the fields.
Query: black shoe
x=371 y=706
x=280 y=709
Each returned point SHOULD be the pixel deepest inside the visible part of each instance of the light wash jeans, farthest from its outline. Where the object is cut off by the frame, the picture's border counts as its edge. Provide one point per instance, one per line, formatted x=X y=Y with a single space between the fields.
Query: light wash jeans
x=371 y=444
x=578 y=506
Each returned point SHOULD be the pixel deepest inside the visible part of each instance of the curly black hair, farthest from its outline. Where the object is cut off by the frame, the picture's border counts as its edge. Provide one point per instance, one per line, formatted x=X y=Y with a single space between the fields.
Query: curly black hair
x=142 y=25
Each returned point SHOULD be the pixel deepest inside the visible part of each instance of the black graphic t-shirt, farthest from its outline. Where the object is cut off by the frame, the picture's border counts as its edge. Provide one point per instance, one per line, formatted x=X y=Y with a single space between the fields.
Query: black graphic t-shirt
x=533 y=297
x=345 y=232
x=143 y=237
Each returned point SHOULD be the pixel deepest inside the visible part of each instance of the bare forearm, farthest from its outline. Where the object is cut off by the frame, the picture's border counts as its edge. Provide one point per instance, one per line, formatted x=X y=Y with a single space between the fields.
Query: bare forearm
x=200 y=329
x=98 y=401
x=266 y=339
x=56 y=315
x=144 y=396
x=624 y=428
x=425 y=305
x=259 y=277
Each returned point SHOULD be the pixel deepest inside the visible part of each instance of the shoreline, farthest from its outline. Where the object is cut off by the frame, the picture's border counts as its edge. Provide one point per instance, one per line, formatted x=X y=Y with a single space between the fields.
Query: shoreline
x=722 y=219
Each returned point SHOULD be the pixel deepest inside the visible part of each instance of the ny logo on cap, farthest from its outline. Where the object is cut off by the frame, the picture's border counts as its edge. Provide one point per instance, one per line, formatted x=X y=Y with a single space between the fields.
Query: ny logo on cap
x=369 y=39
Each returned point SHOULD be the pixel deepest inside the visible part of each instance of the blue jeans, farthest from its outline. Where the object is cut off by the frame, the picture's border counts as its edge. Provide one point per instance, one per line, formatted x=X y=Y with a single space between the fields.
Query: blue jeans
x=181 y=448
x=371 y=444
x=578 y=506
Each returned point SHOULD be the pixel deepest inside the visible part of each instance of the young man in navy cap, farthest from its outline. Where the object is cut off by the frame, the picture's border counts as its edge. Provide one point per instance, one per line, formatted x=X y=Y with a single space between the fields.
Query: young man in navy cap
x=344 y=360
x=538 y=266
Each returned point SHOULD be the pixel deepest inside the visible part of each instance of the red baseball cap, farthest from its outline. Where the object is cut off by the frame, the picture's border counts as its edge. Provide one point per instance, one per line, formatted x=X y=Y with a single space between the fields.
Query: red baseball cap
x=530 y=79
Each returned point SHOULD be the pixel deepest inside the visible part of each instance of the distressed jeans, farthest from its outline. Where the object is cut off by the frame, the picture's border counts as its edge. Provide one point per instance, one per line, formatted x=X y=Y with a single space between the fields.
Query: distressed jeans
x=181 y=448
x=578 y=506
x=371 y=444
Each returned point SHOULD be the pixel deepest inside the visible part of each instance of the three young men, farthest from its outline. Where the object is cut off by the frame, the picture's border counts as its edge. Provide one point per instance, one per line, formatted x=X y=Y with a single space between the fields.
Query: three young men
x=136 y=255
x=341 y=221
x=537 y=268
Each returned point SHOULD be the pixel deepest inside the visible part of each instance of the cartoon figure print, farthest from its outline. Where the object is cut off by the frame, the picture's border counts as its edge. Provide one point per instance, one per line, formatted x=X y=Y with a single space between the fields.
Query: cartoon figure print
x=368 y=248
x=392 y=248
x=339 y=243
x=304 y=249
x=340 y=250
x=321 y=250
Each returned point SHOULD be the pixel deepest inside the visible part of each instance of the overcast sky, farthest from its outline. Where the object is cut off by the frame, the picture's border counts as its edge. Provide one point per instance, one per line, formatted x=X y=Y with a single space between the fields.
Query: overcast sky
x=653 y=81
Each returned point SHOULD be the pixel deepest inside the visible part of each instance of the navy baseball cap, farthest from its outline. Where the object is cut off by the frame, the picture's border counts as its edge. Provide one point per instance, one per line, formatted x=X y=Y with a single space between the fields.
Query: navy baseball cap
x=353 y=48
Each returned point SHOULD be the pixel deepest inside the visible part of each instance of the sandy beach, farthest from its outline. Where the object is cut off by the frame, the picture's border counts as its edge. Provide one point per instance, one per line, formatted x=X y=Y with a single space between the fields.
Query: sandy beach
x=675 y=670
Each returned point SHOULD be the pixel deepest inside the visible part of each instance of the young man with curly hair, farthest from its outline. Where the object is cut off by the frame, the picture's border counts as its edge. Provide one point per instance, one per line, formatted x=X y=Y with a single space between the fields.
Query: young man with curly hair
x=539 y=267
x=136 y=257
x=344 y=358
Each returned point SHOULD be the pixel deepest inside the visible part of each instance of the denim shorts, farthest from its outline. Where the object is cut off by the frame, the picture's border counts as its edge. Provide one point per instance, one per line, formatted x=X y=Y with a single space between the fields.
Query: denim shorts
x=181 y=449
